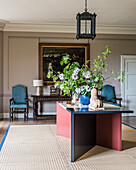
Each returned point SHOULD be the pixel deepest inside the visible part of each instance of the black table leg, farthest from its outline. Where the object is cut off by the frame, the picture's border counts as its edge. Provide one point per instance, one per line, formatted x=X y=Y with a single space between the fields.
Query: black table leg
x=35 y=110
x=83 y=134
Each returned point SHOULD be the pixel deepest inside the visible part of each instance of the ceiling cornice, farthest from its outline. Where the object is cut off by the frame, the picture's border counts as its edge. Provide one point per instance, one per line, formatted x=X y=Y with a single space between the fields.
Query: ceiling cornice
x=2 y=24
x=65 y=28
x=40 y=28
x=116 y=30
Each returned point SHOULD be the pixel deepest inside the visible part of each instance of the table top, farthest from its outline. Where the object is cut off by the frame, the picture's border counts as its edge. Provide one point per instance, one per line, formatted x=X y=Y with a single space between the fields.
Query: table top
x=87 y=110
x=50 y=96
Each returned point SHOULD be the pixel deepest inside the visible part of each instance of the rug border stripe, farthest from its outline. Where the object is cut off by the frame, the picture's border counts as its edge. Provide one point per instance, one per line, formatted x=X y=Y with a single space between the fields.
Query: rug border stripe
x=5 y=135
x=129 y=125
x=3 y=140
x=31 y=124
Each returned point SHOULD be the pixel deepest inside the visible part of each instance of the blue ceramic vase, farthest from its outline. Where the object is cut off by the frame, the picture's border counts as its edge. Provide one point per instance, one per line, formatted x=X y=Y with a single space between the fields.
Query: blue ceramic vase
x=83 y=109
x=84 y=100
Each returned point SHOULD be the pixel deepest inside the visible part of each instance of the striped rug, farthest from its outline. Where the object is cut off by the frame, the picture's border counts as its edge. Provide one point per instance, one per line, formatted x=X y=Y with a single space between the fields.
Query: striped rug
x=36 y=147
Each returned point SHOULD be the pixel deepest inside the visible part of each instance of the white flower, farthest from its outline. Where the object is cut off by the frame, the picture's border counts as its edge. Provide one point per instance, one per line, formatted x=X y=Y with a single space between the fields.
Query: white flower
x=68 y=92
x=88 y=88
x=56 y=85
x=87 y=74
x=61 y=86
x=61 y=76
x=83 y=88
x=74 y=77
x=76 y=70
x=78 y=90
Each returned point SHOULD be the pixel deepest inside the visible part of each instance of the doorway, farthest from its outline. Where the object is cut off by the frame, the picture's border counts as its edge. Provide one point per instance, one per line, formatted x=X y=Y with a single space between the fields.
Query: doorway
x=128 y=89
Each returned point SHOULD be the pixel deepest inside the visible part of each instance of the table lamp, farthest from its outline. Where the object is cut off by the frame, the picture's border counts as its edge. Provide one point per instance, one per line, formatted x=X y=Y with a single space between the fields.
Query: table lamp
x=38 y=84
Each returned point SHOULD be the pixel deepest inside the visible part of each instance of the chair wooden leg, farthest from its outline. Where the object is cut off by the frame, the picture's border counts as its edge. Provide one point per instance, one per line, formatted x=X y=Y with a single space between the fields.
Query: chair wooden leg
x=10 y=114
x=24 y=114
x=27 y=113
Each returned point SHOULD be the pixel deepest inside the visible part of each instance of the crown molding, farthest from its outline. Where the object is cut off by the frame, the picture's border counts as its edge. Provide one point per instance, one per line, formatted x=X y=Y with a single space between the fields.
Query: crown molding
x=116 y=29
x=40 y=28
x=66 y=28
x=2 y=24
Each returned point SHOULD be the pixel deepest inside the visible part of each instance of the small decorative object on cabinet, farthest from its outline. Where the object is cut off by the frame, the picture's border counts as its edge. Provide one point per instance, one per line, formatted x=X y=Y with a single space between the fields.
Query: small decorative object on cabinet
x=54 y=91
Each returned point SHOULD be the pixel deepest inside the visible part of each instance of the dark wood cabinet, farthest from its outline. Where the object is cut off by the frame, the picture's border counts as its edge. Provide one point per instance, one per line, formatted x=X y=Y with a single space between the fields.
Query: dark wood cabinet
x=45 y=98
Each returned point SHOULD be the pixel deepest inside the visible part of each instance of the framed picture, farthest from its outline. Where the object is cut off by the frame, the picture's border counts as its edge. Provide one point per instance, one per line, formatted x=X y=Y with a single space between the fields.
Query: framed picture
x=50 y=56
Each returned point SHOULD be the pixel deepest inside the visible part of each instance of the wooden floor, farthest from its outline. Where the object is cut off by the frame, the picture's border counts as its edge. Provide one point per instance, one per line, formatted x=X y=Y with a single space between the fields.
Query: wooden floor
x=49 y=120
x=129 y=120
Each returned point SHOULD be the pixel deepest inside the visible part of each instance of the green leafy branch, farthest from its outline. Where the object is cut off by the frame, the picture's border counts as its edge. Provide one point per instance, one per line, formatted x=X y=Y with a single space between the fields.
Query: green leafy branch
x=85 y=77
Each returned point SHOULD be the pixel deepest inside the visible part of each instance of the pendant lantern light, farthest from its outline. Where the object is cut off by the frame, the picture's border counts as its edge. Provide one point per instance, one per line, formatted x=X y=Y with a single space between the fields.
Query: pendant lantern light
x=86 y=24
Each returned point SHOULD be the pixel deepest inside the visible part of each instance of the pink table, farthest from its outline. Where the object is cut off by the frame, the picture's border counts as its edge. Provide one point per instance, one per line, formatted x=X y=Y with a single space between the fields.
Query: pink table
x=89 y=128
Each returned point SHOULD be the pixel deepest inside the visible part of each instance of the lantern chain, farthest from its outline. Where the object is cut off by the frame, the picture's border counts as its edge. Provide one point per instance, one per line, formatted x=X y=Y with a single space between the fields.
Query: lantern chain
x=85 y=5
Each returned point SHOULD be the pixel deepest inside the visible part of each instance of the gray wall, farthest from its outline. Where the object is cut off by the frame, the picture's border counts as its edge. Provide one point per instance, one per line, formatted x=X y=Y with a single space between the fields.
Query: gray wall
x=119 y=45
x=1 y=73
x=21 y=58
x=21 y=62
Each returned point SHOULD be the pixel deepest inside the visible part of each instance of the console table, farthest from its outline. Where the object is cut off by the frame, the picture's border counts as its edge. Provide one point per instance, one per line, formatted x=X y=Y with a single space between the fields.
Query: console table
x=45 y=98
x=87 y=128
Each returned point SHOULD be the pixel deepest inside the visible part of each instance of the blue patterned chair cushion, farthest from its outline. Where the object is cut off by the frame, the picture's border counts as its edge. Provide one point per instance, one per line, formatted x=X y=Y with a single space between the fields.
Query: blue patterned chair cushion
x=18 y=106
x=108 y=93
x=115 y=104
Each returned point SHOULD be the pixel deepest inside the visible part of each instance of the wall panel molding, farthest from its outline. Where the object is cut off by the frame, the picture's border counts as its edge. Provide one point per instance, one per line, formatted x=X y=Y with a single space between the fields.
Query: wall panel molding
x=121 y=44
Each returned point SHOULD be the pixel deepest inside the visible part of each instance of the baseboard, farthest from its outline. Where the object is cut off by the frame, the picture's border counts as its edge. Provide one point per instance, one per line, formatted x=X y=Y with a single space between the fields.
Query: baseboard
x=128 y=114
x=30 y=115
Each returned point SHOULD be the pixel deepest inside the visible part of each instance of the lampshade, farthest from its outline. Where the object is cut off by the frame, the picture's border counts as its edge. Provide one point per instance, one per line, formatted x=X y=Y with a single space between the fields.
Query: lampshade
x=37 y=83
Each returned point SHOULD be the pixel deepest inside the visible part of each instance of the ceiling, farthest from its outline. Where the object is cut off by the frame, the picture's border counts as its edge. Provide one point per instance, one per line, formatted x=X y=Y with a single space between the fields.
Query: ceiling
x=63 y=12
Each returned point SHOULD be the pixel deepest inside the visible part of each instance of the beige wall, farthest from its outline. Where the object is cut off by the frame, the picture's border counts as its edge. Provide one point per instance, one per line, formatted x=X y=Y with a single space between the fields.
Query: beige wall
x=119 y=46
x=21 y=62
x=21 y=58
x=1 y=73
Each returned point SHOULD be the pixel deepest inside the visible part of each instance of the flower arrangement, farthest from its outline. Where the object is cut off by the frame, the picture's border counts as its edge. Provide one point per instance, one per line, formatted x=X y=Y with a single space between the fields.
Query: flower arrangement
x=77 y=79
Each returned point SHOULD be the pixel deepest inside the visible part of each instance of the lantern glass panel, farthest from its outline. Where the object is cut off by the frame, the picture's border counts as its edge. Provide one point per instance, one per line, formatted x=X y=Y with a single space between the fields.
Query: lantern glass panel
x=85 y=27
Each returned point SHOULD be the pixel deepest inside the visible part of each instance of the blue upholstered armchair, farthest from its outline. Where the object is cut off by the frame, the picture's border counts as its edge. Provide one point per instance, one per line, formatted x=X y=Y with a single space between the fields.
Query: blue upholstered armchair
x=108 y=95
x=19 y=101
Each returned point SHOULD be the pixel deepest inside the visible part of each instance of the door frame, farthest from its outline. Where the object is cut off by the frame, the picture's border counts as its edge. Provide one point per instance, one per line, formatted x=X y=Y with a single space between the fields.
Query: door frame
x=123 y=57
